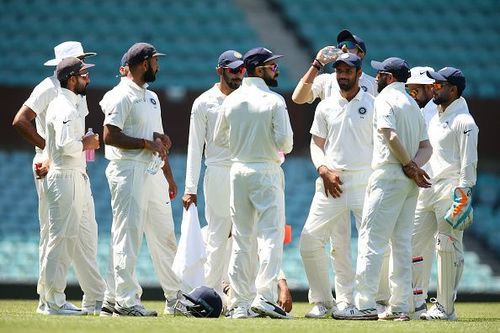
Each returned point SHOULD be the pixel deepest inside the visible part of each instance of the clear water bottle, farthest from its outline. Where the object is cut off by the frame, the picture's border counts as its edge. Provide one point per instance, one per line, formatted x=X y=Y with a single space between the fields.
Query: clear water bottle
x=155 y=164
x=90 y=153
x=331 y=52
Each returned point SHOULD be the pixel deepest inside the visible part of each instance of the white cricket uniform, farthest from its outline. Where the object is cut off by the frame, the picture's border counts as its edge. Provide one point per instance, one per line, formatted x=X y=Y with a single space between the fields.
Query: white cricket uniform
x=255 y=125
x=390 y=202
x=347 y=127
x=216 y=182
x=72 y=229
x=453 y=135
x=140 y=201
x=38 y=101
x=429 y=111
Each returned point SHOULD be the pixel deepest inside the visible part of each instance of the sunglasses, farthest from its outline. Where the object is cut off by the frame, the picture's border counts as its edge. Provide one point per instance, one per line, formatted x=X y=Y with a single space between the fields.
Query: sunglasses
x=84 y=75
x=412 y=92
x=238 y=70
x=349 y=44
x=438 y=85
x=273 y=67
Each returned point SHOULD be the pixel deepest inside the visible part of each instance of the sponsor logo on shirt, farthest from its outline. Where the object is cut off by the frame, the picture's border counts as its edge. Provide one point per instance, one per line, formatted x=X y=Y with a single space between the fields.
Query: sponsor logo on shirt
x=65 y=122
x=466 y=132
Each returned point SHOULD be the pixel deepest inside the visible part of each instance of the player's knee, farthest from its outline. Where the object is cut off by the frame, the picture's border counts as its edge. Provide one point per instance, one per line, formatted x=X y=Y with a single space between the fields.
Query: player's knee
x=308 y=243
x=445 y=243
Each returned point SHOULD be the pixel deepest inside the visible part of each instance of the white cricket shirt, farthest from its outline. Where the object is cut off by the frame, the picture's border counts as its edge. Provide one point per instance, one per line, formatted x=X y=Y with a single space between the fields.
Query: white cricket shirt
x=326 y=85
x=201 y=133
x=347 y=127
x=453 y=135
x=395 y=109
x=429 y=111
x=137 y=112
x=254 y=123
x=65 y=128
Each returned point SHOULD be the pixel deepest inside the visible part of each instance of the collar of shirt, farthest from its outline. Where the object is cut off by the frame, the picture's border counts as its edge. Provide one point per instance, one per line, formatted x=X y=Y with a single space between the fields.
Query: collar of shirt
x=255 y=82
x=134 y=86
x=70 y=96
x=357 y=97
x=217 y=91
x=454 y=107
x=399 y=86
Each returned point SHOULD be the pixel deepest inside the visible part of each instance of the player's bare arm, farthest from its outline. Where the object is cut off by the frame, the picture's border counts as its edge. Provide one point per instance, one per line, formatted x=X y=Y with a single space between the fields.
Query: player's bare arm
x=165 y=139
x=189 y=199
x=167 y=171
x=114 y=136
x=23 y=123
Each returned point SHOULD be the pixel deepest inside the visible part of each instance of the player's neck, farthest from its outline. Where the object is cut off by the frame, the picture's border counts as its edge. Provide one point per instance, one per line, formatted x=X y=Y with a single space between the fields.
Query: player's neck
x=349 y=94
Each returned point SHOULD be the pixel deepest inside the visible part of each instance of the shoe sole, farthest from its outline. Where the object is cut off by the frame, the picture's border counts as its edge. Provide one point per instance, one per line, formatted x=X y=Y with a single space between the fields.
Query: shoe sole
x=325 y=316
x=265 y=313
x=371 y=317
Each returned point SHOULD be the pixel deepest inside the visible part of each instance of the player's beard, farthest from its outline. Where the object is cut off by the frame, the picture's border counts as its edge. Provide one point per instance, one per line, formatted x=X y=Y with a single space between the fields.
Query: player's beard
x=440 y=99
x=233 y=83
x=345 y=84
x=149 y=75
x=269 y=80
x=381 y=83
x=81 y=88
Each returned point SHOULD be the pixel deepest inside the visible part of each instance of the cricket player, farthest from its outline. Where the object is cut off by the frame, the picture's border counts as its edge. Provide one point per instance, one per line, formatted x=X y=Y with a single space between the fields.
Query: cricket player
x=341 y=150
x=419 y=86
x=35 y=108
x=139 y=197
x=443 y=211
x=68 y=188
x=400 y=148
x=217 y=159
x=254 y=125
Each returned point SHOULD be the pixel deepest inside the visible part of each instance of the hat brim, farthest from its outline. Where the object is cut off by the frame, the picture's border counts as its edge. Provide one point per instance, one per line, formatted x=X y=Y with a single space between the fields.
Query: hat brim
x=436 y=76
x=158 y=54
x=55 y=62
x=347 y=62
x=85 y=66
x=420 y=80
x=274 y=57
x=345 y=35
x=234 y=64
x=377 y=65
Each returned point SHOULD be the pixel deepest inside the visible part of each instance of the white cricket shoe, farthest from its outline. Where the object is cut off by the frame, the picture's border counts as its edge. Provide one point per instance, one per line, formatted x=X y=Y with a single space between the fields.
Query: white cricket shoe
x=241 y=312
x=41 y=308
x=320 y=310
x=264 y=307
x=393 y=315
x=381 y=307
x=137 y=310
x=437 y=312
x=419 y=310
x=67 y=309
x=352 y=313
x=107 y=309
x=94 y=309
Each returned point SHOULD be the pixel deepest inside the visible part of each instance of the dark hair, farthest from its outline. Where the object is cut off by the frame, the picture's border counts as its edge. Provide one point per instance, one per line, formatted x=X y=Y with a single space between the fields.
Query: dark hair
x=64 y=83
x=402 y=76
x=251 y=71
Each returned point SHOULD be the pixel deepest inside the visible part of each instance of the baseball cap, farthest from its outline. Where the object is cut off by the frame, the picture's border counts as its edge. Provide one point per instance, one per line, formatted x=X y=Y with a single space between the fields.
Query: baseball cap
x=394 y=65
x=139 y=52
x=259 y=56
x=230 y=58
x=347 y=35
x=449 y=74
x=349 y=59
x=206 y=300
x=419 y=75
x=70 y=66
x=68 y=49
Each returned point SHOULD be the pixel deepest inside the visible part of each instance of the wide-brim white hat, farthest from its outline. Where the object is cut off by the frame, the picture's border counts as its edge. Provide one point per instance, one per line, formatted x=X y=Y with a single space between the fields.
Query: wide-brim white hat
x=419 y=75
x=68 y=49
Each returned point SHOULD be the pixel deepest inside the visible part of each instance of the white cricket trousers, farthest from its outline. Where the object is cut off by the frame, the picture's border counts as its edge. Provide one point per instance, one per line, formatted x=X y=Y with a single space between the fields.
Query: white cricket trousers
x=257 y=214
x=141 y=205
x=218 y=215
x=72 y=237
x=433 y=235
x=321 y=224
x=388 y=213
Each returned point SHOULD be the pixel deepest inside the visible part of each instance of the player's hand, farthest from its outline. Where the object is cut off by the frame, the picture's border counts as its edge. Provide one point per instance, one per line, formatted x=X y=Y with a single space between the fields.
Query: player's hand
x=156 y=146
x=172 y=188
x=91 y=142
x=189 y=199
x=331 y=181
x=41 y=169
x=285 y=299
x=324 y=59
x=165 y=139
x=413 y=171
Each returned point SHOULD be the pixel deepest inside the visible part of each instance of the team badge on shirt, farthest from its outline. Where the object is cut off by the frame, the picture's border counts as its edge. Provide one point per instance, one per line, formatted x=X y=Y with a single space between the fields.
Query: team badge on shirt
x=153 y=101
x=362 y=110
x=365 y=89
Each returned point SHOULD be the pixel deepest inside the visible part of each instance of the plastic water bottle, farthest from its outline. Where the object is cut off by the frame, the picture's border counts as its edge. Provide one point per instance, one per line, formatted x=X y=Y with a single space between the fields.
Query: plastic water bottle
x=331 y=52
x=89 y=153
x=155 y=164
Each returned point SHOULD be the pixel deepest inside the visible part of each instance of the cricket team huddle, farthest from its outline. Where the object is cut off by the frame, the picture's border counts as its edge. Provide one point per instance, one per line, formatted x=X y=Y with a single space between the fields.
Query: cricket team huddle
x=398 y=152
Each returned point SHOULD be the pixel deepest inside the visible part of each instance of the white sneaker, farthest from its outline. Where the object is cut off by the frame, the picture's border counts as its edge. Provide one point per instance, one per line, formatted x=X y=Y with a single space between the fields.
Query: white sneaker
x=342 y=305
x=319 y=310
x=419 y=310
x=437 y=312
x=381 y=307
x=67 y=309
x=352 y=313
x=107 y=309
x=41 y=308
x=264 y=307
x=241 y=312
x=393 y=315
x=137 y=310
x=93 y=310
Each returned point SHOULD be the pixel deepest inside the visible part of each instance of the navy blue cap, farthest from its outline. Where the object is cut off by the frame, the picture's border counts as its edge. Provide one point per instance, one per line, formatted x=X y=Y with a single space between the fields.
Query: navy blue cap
x=207 y=300
x=347 y=35
x=259 y=56
x=70 y=66
x=230 y=58
x=139 y=52
x=349 y=59
x=392 y=65
x=449 y=74
x=124 y=61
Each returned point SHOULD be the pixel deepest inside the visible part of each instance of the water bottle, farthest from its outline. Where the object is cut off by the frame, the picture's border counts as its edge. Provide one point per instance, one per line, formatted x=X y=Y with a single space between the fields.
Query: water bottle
x=155 y=164
x=90 y=153
x=281 y=156
x=331 y=52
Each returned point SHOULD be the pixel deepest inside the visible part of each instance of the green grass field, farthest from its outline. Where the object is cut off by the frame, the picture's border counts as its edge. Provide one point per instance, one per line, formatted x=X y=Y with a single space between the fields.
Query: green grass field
x=20 y=316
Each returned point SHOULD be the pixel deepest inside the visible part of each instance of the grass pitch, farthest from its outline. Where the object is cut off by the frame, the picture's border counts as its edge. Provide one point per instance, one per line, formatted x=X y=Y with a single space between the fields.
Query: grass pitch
x=20 y=316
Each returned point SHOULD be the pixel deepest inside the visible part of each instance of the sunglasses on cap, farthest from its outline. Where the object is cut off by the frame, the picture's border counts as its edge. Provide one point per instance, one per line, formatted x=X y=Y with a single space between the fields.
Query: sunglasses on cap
x=349 y=44
x=273 y=67
x=439 y=84
x=237 y=70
